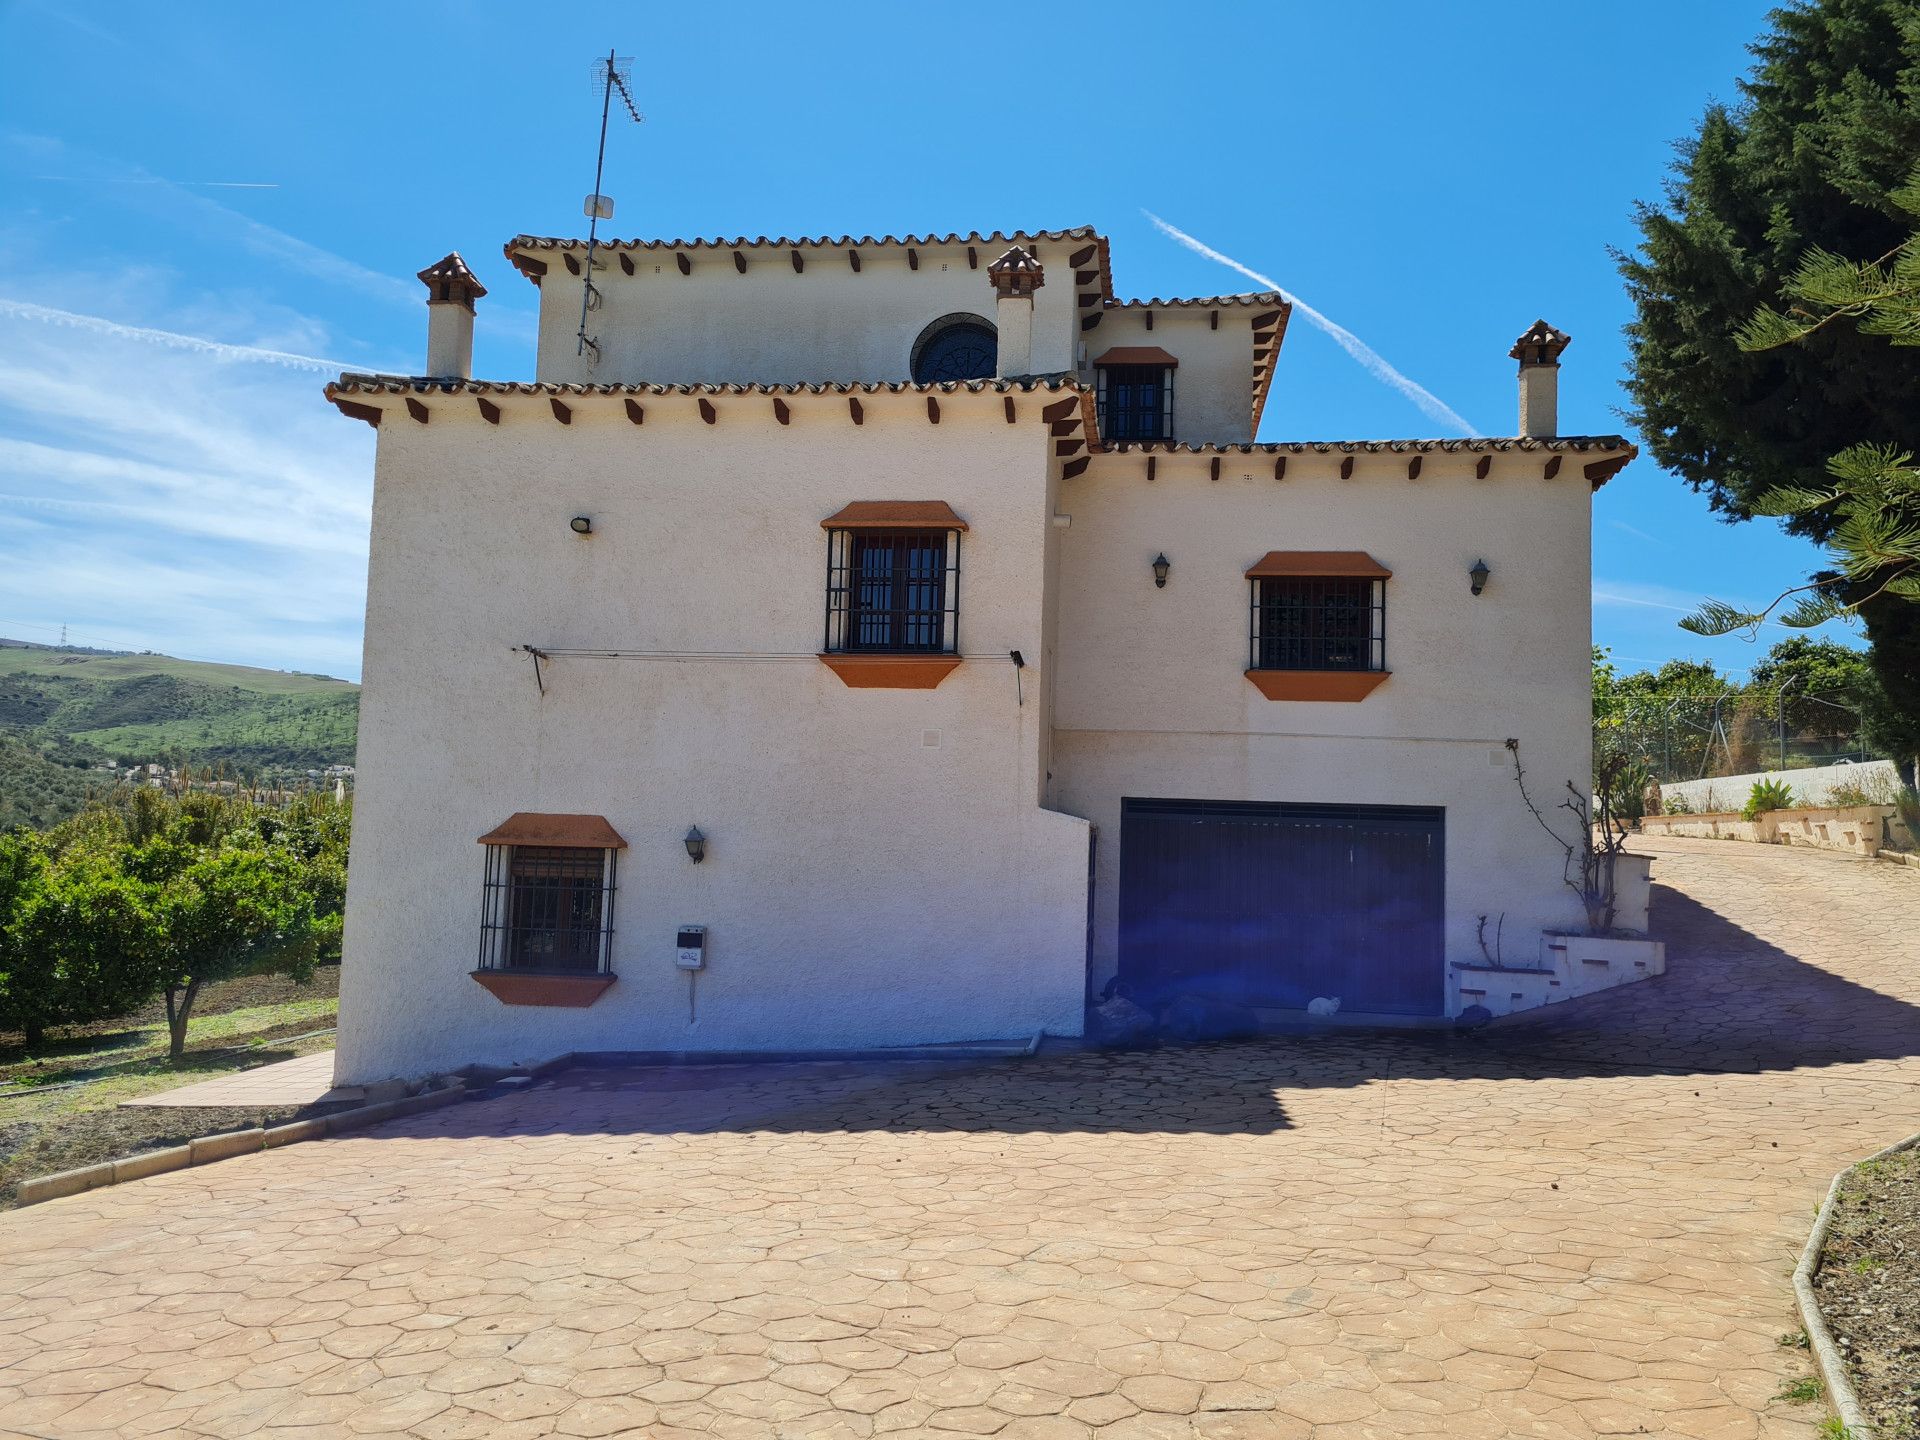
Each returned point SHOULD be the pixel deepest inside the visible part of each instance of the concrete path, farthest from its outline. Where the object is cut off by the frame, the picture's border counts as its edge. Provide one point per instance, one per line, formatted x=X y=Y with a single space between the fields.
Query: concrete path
x=300 y=1081
x=1576 y=1230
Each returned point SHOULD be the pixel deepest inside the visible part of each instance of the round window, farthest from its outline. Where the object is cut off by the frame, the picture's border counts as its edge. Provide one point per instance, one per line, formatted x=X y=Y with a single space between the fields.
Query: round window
x=960 y=347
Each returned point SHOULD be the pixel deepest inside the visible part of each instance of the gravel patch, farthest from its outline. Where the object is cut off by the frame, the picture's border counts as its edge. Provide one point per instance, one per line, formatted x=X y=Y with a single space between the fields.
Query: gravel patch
x=1869 y=1289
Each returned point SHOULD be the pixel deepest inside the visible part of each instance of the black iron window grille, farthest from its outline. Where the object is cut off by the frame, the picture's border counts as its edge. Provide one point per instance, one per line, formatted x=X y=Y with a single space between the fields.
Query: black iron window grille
x=1136 y=402
x=893 y=592
x=548 y=908
x=1319 y=622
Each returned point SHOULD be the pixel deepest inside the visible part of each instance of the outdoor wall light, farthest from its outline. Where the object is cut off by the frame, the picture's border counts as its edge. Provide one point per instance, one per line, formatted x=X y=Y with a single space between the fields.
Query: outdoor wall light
x=696 y=845
x=1478 y=574
x=582 y=525
x=1161 y=565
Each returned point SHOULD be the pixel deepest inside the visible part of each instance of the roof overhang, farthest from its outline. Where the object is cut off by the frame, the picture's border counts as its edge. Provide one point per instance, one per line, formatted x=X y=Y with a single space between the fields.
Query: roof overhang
x=531 y=255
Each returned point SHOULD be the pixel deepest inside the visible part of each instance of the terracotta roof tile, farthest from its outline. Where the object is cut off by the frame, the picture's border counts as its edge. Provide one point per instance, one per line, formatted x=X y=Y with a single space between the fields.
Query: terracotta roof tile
x=353 y=383
x=803 y=242
x=1251 y=297
x=1611 y=452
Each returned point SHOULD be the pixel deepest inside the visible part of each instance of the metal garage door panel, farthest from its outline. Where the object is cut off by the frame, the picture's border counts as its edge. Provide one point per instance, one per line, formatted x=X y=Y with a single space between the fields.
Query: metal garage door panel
x=1273 y=905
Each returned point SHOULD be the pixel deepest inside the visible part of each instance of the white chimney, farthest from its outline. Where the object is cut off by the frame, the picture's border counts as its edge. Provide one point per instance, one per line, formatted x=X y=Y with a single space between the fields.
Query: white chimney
x=451 y=291
x=1015 y=276
x=1538 y=352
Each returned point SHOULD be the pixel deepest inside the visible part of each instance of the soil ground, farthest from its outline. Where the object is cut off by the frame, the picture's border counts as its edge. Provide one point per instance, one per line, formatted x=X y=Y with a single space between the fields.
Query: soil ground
x=1869 y=1289
x=60 y=1104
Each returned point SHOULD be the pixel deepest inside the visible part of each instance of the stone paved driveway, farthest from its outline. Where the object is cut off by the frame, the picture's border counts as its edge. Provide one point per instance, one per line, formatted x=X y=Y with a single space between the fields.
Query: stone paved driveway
x=1583 y=1229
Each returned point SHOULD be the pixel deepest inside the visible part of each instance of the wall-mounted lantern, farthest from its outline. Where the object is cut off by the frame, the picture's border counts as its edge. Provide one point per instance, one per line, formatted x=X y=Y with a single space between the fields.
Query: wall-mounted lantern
x=1161 y=565
x=582 y=525
x=696 y=845
x=1478 y=575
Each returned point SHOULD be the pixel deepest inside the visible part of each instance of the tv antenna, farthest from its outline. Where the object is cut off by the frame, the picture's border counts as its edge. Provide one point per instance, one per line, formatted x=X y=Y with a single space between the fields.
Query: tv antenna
x=609 y=75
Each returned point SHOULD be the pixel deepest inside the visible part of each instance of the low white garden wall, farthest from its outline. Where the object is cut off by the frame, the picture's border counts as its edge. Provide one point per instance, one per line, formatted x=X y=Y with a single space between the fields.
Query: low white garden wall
x=1810 y=787
x=1570 y=966
x=1851 y=829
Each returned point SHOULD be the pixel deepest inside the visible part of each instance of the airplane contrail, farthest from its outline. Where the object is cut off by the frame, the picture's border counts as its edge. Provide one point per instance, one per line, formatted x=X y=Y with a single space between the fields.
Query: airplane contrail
x=156 y=180
x=1370 y=359
x=23 y=310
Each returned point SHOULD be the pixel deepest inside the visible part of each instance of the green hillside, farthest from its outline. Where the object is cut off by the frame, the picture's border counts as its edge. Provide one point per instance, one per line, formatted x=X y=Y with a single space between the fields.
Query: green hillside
x=64 y=712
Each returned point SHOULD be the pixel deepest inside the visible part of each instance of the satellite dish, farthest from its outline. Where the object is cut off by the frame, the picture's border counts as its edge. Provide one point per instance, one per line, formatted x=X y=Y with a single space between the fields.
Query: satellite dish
x=597 y=207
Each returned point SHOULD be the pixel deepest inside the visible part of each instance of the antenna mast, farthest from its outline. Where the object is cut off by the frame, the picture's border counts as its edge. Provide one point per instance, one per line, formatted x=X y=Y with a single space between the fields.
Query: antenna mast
x=611 y=74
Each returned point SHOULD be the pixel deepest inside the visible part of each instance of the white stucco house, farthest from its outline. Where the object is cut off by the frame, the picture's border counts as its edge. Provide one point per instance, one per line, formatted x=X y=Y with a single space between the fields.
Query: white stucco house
x=847 y=643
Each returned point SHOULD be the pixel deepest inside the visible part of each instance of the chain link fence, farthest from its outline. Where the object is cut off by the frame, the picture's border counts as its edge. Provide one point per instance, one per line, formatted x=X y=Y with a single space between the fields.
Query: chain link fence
x=1741 y=733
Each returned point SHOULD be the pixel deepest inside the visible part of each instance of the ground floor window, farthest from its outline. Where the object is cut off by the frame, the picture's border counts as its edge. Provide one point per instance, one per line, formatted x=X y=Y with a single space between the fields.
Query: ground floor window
x=548 y=908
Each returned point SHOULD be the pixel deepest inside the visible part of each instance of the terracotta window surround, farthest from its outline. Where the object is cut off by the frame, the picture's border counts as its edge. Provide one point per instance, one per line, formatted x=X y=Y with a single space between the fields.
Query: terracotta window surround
x=1340 y=686
x=1335 y=686
x=894 y=515
x=1137 y=355
x=1343 y=564
x=891 y=672
x=917 y=606
x=503 y=918
x=530 y=987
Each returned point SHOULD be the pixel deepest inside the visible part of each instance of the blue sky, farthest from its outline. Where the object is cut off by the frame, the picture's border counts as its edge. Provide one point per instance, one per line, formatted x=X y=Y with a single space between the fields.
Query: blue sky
x=198 y=204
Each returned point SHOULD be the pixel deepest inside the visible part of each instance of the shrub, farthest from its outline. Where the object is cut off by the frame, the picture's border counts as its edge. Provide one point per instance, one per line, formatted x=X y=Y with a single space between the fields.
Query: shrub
x=1676 y=804
x=1767 y=795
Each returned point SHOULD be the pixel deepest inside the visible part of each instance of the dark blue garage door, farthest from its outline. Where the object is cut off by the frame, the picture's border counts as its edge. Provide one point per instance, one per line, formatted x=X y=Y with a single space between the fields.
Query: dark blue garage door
x=1275 y=905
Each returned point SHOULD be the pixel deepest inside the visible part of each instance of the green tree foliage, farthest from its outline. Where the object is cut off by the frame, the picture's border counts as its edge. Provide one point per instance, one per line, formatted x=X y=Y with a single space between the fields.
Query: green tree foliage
x=235 y=911
x=149 y=893
x=1812 y=163
x=79 y=938
x=1873 y=500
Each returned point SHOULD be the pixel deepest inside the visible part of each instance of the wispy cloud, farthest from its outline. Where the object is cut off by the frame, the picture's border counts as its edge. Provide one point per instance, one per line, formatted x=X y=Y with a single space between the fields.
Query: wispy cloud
x=179 y=203
x=178 y=493
x=1651 y=597
x=1639 y=534
x=1369 y=359
x=46 y=314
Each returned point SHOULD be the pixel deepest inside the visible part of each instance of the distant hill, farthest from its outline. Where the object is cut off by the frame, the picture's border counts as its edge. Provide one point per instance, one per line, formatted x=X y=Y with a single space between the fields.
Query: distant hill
x=64 y=711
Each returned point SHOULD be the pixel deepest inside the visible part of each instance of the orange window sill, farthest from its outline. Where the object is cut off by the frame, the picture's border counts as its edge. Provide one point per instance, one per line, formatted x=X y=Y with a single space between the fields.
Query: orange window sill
x=530 y=987
x=891 y=672
x=1344 y=686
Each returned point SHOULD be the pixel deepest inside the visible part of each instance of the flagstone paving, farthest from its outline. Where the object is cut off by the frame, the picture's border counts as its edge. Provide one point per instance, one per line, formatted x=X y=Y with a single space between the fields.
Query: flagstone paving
x=1577 y=1229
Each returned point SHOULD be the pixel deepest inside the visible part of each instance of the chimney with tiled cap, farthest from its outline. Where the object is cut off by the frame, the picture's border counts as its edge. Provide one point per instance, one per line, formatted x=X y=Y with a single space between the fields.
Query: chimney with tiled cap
x=451 y=291
x=1538 y=352
x=1015 y=276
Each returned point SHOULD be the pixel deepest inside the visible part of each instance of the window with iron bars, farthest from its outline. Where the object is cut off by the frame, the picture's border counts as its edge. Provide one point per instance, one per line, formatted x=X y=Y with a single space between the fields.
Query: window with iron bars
x=548 y=908
x=1136 y=402
x=893 y=592
x=1319 y=622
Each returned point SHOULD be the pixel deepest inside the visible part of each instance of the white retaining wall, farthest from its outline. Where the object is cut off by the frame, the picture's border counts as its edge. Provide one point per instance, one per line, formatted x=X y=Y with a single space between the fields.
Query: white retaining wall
x=1812 y=788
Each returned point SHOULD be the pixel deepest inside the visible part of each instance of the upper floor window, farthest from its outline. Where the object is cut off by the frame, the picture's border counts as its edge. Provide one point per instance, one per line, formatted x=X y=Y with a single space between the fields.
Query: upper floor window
x=893 y=578
x=1318 y=610
x=1135 y=390
x=956 y=347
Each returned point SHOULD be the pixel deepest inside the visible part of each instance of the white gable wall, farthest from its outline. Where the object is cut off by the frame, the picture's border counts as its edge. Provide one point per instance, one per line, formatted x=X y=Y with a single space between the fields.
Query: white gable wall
x=1152 y=699
x=1213 y=385
x=862 y=886
x=775 y=326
